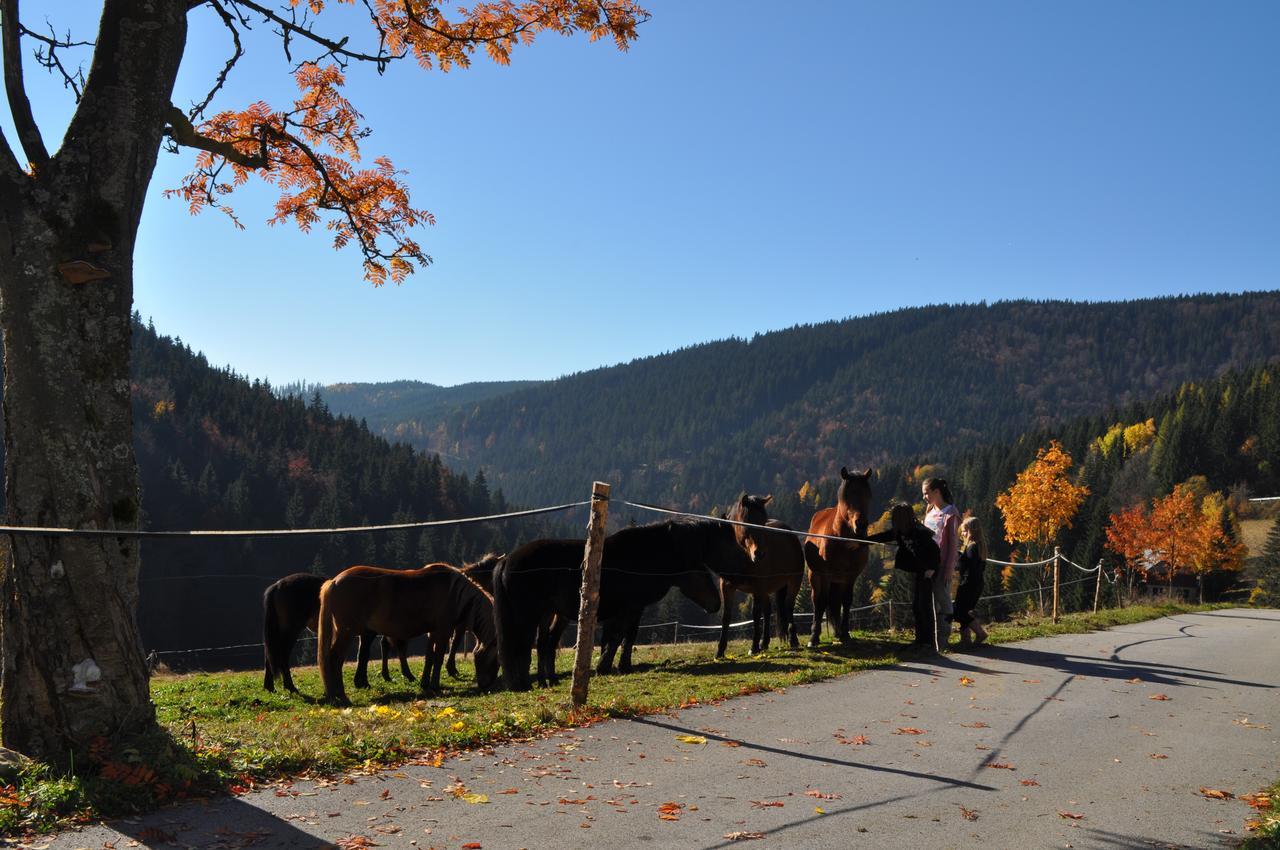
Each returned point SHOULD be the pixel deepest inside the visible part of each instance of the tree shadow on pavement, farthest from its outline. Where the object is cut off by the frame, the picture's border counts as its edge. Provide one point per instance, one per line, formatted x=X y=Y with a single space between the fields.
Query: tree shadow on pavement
x=223 y=824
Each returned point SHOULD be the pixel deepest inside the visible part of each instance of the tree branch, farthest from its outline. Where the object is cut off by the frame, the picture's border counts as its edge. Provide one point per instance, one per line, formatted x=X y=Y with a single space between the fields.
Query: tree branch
x=184 y=133
x=48 y=57
x=19 y=106
x=229 y=22
x=338 y=50
x=10 y=168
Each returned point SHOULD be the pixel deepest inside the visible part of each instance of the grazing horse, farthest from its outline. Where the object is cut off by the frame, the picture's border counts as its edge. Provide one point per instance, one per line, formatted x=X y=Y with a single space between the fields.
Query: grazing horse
x=290 y=605
x=402 y=604
x=481 y=572
x=542 y=580
x=834 y=565
x=776 y=570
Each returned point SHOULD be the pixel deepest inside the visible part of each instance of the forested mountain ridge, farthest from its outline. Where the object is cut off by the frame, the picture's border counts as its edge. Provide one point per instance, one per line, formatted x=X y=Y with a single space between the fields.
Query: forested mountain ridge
x=405 y=411
x=691 y=426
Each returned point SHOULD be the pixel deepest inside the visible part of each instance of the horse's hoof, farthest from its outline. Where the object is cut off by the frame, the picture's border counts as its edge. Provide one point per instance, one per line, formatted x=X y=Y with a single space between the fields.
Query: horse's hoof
x=624 y=669
x=409 y=677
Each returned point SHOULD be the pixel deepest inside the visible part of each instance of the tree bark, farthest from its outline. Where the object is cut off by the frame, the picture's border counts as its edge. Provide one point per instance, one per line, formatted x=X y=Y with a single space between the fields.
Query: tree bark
x=73 y=663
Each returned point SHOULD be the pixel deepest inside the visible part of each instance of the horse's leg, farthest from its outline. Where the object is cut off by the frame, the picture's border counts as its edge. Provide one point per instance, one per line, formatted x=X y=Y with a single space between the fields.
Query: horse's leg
x=726 y=600
x=846 y=604
x=439 y=647
x=336 y=653
x=554 y=630
x=766 y=612
x=361 y=679
x=402 y=648
x=787 y=614
x=610 y=637
x=452 y=664
x=387 y=646
x=629 y=641
x=818 y=593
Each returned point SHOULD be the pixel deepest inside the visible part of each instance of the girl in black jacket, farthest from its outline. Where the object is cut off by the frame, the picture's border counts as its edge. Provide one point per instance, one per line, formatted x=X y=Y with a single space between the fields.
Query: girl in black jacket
x=973 y=561
x=917 y=554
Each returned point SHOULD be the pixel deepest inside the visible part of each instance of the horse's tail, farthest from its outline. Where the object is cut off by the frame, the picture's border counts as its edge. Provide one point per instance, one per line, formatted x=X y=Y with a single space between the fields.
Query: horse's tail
x=270 y=637
x=508 y=630
x=324 y=641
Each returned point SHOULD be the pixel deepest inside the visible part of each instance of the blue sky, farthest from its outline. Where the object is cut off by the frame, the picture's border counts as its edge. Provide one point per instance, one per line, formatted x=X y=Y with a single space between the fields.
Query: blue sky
x=747 y=166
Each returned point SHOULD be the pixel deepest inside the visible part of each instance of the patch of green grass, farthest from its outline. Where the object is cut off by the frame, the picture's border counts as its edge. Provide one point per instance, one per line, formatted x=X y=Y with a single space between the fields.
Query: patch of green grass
x=222 y=731
x=1264 y=830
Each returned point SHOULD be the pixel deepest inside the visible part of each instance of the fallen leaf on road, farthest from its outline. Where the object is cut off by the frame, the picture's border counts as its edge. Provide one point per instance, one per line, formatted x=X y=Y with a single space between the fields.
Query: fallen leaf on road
x=1071 y=815
x=1216 y=794
x=1244 y=721
x=966 y=681
x=855 y=741
x=908 y=730
x=766 y=804
x=1000 y=765
x=820 y=810
x=1159 y=756
x=968 y=814
x=814 y=792
x=756 y=762
x=1134 y=681
x=1031 y=681
x=743 y=836
x=730 y=744
x=565 y=801
x=471 y=845
x=351 y=842
x=1160 y=697
x=670 y=811
x=509 y=791
x=474 y=798
x=691 y=739
x=977 y=724
x=1259 y=800
x=1029 y=782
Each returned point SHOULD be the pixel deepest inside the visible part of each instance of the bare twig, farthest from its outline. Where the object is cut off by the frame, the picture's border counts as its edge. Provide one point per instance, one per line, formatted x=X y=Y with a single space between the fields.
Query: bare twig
x=228 y=21
x=336 y=50
x=48 y=56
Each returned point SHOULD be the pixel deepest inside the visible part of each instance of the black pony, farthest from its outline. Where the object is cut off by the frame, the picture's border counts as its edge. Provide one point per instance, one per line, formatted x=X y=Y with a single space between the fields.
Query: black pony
x=541 y=581
x=292 y=604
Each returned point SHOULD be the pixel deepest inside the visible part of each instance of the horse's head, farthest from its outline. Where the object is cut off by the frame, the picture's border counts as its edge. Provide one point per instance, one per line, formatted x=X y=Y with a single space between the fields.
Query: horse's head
x=701 y=586
x=853 y=501
x=749 y=509
x=486 y=660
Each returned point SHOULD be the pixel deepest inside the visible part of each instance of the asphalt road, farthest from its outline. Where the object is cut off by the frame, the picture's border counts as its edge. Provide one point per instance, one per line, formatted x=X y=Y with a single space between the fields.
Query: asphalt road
x=1102 y=740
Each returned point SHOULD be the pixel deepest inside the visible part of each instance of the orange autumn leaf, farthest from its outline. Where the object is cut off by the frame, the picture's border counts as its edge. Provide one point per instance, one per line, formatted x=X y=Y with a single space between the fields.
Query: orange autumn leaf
x=471 y=845
x=1071 y=815
x=766 y=804
x=1159 y=756
x=977 y=724
x=968 y=814
x=1030 y=783
x=908 y=730
x=813 y=792
x=966 y=681
x=1259 y=800
x=1216 y=794
x=1160 y=697
x=1000 y=765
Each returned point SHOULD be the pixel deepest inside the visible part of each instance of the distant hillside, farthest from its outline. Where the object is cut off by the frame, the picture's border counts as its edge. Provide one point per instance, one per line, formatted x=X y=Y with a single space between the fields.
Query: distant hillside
x=408 y=411
x=697 y=425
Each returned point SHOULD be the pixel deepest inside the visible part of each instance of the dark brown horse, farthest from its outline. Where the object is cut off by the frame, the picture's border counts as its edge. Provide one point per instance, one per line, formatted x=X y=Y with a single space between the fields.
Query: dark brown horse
x=542 y=579
x=776 y=571
x=290 y=605
x=402 y=604
x=834 y=565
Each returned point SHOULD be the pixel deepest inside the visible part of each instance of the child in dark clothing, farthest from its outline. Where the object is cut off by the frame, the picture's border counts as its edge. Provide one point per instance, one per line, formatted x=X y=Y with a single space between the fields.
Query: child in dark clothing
x=973 y=561
x=919 y=555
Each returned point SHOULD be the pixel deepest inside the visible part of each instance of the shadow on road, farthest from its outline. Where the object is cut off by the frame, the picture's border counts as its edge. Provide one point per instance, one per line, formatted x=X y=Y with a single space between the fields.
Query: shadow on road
x=225 y=824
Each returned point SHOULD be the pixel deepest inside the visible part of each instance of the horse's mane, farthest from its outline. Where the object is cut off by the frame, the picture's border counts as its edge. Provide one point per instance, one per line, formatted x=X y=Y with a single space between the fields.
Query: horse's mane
x=464 y=595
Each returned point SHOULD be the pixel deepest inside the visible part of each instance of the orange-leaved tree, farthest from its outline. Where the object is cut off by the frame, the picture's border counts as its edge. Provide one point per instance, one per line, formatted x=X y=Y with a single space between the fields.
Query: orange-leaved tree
x=72 y=659
x=1043 y=500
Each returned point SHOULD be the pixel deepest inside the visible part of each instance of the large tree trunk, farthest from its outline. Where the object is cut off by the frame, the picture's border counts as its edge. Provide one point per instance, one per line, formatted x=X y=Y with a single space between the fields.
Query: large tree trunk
x=73 y=663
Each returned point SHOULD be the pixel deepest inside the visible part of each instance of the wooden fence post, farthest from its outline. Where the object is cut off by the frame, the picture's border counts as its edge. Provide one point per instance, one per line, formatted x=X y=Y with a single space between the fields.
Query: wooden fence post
x=590 y=595
x=1057 y=556
x=1097 y=591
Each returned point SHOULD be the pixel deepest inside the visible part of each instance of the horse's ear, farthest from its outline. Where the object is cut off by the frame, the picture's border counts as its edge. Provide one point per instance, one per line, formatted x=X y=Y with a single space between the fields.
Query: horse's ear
x=869 y=473
x=742 y=497
x=844 y=472
x=767 y=499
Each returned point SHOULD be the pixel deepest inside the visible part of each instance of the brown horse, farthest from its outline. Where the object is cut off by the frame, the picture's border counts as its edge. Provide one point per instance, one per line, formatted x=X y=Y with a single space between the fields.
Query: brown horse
x=776 y=570
x=290 y=605
x=835 y=565
x=402 y=604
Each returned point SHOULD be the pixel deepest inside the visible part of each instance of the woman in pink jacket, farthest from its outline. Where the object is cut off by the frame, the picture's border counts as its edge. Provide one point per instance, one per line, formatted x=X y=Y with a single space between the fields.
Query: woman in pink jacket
x=943 y=520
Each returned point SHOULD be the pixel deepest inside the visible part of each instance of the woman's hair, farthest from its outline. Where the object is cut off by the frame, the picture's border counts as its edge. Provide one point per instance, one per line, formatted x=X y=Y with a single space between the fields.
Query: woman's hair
x=971 y=531
x=940 y=484
x=902 y=517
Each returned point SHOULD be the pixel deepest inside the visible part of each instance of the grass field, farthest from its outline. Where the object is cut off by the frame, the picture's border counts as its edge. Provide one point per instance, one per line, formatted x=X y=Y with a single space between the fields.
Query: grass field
x=224 y=732
x=1253 y=534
